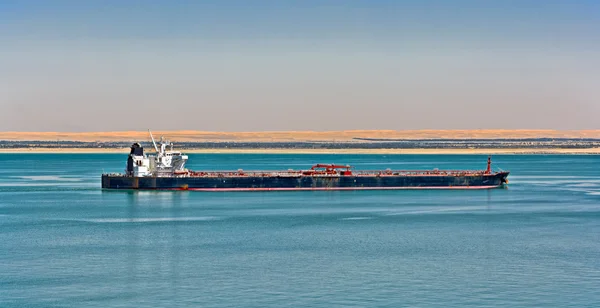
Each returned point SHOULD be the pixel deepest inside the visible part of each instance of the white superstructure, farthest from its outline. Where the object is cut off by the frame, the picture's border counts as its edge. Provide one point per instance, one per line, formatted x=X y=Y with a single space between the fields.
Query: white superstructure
x=163 y=163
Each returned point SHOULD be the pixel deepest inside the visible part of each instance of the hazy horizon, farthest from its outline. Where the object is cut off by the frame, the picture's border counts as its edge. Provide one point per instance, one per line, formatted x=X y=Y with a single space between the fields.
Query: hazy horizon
x=297 y=66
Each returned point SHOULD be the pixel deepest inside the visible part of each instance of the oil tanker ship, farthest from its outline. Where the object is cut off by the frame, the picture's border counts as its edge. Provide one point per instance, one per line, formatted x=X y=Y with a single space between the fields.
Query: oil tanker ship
x=165 y=170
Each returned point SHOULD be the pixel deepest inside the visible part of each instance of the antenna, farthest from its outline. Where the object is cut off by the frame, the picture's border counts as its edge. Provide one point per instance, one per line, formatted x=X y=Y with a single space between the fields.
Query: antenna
x=153 y=142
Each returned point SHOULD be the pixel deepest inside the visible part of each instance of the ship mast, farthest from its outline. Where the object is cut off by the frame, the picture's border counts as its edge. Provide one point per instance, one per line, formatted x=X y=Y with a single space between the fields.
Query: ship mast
x=153 y=142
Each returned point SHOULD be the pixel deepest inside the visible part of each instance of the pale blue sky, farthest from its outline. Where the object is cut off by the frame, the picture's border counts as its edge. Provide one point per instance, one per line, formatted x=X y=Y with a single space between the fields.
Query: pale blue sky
x=298 y=65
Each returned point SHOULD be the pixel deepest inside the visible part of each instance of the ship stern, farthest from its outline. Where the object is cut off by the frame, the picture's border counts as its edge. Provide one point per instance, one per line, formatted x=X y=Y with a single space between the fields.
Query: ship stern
x=106 y=181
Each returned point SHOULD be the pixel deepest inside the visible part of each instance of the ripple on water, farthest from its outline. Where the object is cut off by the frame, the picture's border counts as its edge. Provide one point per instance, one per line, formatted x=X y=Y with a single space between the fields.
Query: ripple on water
x=50 y=178
x=357 y=218
x=148 y=219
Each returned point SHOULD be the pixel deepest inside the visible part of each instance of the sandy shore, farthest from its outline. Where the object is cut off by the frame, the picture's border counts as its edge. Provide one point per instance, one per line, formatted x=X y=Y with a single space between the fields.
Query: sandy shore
x=125 y=151
x=296 y=136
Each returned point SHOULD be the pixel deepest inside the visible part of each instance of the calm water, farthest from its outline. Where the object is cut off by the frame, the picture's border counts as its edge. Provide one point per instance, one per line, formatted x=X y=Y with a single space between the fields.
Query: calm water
x=64 y=242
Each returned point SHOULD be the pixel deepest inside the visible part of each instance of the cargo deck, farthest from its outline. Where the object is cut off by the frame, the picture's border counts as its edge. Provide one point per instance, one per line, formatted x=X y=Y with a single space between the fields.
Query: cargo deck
x=166 y=170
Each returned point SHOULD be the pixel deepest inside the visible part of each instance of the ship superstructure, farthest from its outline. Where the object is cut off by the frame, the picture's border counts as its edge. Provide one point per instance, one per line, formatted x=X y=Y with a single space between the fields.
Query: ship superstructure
x=163 y=163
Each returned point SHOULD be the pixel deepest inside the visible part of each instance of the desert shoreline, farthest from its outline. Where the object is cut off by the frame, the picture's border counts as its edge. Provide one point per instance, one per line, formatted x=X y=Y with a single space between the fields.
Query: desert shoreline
x=179 y=136
x=124 y=151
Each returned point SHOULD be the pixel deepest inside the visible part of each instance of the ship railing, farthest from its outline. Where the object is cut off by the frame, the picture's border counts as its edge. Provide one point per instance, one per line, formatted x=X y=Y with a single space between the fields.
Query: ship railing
x=300 y=173
x=419 y=173
x=245 y=173
x=114 y=174
x=334 y=174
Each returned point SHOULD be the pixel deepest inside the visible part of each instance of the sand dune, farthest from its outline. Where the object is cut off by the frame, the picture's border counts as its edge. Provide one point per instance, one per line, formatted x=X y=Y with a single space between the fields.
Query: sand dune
x=281 y=136
x=323 y=151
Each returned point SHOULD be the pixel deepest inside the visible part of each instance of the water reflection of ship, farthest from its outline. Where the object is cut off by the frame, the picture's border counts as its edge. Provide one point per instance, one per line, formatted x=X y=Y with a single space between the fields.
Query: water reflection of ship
x=138 y=258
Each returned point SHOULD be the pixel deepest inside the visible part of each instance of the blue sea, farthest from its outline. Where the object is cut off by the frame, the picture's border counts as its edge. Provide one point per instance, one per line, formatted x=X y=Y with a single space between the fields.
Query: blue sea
x=66 y=243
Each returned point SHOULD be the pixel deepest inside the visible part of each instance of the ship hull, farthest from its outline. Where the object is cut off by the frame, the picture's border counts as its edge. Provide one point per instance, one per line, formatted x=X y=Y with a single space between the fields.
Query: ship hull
x=288 y=183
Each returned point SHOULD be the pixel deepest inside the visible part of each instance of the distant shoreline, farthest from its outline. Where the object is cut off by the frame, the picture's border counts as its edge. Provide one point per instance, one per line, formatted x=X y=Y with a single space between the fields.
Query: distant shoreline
x=313 y=151
x=180 y=136
x=477 y=142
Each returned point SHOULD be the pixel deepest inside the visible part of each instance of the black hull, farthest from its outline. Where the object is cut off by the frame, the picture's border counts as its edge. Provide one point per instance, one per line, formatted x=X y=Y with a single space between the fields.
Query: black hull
x=262 y=183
